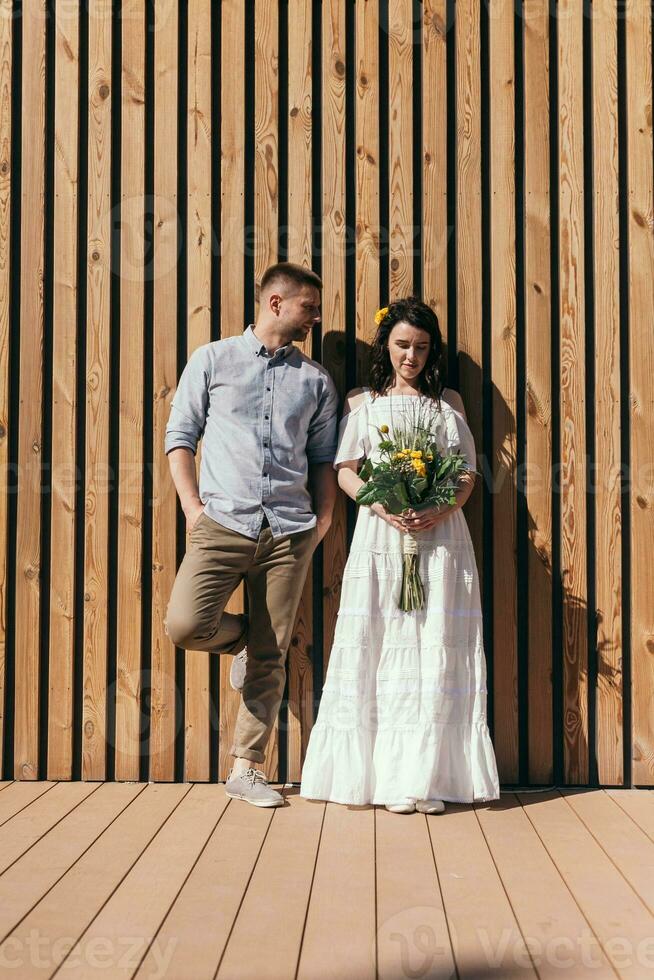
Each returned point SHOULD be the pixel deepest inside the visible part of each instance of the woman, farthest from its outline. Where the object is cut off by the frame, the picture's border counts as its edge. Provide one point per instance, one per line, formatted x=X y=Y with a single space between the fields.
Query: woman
x=402 y=720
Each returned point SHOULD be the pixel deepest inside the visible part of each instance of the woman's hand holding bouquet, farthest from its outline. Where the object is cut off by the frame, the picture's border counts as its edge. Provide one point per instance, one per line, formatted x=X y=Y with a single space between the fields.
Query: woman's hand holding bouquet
x=412 y=487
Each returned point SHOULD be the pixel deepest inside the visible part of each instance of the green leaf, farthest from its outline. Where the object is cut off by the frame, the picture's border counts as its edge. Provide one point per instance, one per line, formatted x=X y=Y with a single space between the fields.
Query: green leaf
x=400 y=492
x=368 y=494
x=366 y=470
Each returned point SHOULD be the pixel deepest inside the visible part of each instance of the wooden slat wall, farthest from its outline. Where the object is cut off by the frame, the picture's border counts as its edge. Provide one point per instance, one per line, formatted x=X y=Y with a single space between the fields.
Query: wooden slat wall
x=367 y=230
x=130 y=520
x=572 y=347
x=538 y=388
x=268 y=25
x=300 y=112
x=232 y=292
x=165 y=699
x=608 y=504
x=5 y=285
x=64 y=515
x=334 y=62
x=469 y=242
x=434 y=160
x=28 y=592
x=641 y=391
x=400 y=149
x=198 y=306
x=531 y=179
x=503 y=369
x=98 y=360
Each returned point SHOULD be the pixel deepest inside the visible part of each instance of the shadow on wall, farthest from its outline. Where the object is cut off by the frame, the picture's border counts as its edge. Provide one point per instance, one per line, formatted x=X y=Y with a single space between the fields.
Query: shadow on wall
x=539 y=709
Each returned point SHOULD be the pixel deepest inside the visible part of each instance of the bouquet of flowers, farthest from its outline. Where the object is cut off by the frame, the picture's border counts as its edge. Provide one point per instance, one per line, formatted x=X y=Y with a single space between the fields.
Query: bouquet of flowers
x=411 y=472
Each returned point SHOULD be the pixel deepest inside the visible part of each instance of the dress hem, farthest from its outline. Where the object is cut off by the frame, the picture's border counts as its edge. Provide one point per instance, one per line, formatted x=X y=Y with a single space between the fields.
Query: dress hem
x=445 y=799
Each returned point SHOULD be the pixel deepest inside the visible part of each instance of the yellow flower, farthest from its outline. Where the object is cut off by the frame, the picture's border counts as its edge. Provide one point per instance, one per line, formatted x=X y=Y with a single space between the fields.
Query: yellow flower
x=383 y=428
x=416 y=454
x=419 y=467
x=380 y=314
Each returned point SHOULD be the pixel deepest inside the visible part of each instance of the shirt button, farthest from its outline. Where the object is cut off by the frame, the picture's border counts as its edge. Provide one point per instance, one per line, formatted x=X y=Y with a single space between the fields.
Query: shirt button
x=265 y=474
x=267 y=389
x=266 y=416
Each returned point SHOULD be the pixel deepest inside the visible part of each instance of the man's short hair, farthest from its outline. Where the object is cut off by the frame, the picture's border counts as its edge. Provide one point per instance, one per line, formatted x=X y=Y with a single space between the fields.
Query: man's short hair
x=289 y=272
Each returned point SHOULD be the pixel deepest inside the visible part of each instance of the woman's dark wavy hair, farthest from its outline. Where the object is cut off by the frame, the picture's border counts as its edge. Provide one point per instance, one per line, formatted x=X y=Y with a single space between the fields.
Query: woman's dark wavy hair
x=413 y=311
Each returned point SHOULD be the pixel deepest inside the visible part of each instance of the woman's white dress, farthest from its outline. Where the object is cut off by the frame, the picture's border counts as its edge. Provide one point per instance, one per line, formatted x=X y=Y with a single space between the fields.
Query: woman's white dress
x=403 y=709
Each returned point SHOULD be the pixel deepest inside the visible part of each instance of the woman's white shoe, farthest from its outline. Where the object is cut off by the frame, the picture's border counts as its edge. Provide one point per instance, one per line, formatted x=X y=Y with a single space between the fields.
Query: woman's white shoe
x=430 y=806
x=401 y=807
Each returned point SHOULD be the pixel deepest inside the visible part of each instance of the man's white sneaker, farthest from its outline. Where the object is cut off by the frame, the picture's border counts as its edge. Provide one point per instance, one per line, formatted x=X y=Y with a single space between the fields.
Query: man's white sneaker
x=430 y=806
x=237 y=670
x=252 y=786
x=401 y=807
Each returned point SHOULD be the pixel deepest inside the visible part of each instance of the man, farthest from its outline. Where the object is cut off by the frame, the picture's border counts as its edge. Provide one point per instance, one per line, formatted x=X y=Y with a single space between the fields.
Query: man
x=267 y=414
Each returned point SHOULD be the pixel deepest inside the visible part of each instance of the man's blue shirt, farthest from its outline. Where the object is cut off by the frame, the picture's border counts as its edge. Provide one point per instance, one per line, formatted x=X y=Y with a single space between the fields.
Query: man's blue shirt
x=263 y=419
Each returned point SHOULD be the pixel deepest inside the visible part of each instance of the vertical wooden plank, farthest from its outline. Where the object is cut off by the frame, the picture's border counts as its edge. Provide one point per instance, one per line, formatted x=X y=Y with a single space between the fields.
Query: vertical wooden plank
x=573 y=420
x=266 y=130
x=164 y=355
x=30 y=434
x=400 y=148
x=641 y=372
x=334 y=60
x=538 y=357
x=266 y=190
x=468 y=244
x=299 y=137
x=96 y=528
x=434 y=159
x=608 y=519
x=300 y=671
x=130 y=497
x=64 y=398
x=197 y=715
x=366 y=114
x=232 y=191
x=503 y=382
x=6 y=24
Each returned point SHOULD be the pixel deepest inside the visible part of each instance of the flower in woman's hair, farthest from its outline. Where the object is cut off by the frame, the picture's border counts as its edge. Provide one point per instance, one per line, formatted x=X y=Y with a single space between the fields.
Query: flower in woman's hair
x=380 y=314
x=383 y=428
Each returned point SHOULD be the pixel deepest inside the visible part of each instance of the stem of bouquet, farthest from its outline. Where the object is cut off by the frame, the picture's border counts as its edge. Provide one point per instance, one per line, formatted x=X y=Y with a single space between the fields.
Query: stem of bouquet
x=412 y=593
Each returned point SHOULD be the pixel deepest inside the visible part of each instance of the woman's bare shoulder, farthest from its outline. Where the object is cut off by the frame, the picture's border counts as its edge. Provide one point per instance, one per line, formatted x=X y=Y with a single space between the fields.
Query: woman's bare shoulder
x=353 y=399
x=454 y=400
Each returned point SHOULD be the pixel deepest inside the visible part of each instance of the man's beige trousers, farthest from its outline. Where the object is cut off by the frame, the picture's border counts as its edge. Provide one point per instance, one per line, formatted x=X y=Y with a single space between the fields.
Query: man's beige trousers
x=217 y=560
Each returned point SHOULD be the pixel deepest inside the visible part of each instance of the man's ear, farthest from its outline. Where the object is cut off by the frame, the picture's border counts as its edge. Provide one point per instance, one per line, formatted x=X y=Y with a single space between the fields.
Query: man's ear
x=275 y=303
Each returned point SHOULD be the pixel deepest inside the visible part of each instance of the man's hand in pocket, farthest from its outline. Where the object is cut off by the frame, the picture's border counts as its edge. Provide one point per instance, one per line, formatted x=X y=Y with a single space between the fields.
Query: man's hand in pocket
x=193 y=516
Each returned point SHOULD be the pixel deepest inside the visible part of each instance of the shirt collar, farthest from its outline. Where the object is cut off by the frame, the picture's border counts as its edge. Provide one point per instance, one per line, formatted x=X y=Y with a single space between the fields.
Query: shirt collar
x=260 y=349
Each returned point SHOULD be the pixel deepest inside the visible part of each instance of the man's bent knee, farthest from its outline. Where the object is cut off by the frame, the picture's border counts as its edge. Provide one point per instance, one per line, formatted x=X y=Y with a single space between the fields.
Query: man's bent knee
x=185 y=632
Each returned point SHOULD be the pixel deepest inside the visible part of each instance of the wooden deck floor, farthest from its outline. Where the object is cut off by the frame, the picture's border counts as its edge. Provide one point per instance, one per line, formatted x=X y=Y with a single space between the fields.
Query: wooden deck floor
x=164 y=880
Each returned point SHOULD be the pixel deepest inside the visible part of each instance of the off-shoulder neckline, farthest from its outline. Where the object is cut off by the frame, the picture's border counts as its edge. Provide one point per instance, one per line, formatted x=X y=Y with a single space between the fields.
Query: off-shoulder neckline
x=367 y=400
x=370 y=401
